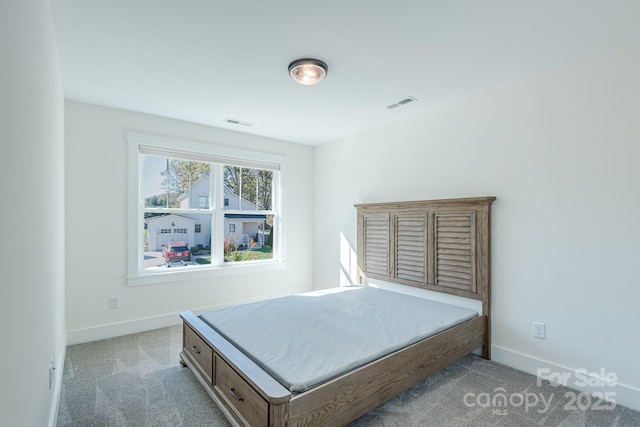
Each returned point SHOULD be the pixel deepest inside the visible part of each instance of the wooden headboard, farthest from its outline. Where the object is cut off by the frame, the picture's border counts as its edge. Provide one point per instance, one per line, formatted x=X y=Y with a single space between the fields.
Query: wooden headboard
x=440 y=245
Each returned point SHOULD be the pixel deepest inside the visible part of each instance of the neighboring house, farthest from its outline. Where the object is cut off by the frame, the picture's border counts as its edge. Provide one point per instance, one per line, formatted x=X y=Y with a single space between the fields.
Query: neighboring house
x=197 y=197
x=241 y=227
x=195 y=229
x=233 y=202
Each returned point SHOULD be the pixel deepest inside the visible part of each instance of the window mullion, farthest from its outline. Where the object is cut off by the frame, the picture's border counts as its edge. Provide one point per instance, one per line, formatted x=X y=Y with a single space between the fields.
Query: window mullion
x=279 y=239
x=217 y=197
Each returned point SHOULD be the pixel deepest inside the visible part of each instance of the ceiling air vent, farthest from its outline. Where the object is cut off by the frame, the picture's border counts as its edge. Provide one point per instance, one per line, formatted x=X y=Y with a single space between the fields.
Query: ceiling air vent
x=238 y=122
x=401 y=102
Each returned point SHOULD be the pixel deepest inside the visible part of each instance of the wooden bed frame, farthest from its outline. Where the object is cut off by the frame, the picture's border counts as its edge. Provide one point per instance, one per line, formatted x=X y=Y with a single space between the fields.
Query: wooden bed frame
x=440 y=245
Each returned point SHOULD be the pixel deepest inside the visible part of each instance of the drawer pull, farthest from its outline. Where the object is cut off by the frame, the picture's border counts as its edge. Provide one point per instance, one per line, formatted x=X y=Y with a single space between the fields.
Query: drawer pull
x=195 y=349
x=233 y=393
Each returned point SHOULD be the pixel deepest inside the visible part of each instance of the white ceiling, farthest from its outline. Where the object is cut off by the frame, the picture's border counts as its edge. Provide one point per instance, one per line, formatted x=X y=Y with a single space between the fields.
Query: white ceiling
x=207 y=60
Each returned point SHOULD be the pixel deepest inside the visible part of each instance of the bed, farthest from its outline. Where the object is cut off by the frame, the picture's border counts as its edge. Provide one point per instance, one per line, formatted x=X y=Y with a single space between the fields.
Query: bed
x=438 y=245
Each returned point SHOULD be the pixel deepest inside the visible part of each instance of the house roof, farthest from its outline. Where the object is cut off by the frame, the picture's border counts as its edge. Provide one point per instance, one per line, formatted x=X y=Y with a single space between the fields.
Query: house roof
x=168 y=217
x=245 y=216
x=186 y=193
x=228 y=191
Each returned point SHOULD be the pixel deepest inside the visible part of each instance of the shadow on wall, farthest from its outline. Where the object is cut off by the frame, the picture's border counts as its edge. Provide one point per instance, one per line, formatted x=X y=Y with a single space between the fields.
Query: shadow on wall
x=348 y=263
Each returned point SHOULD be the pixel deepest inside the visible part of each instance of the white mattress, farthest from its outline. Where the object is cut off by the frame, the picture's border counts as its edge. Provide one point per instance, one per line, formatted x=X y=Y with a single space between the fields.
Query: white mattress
x=304 y=340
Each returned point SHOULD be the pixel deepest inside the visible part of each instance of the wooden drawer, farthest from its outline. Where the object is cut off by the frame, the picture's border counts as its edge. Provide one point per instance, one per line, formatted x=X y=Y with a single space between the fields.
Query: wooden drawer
x=195 y=347
x=253 y=408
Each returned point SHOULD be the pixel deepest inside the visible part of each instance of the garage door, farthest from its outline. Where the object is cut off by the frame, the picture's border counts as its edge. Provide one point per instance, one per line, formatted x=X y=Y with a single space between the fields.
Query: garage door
x=171 y=235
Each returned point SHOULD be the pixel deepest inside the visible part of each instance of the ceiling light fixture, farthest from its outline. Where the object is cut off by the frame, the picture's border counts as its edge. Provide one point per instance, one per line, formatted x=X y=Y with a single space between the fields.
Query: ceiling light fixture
x=308 y=71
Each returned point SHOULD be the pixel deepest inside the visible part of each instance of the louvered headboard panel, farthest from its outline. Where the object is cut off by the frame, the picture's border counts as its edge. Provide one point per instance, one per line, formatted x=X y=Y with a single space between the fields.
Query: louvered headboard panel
x=376 y=253
x=411 y=251
x=455 y=258
x=441 y=245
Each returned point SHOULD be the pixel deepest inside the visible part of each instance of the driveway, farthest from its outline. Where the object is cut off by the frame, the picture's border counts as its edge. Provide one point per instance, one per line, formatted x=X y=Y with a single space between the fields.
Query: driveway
x=154 y=259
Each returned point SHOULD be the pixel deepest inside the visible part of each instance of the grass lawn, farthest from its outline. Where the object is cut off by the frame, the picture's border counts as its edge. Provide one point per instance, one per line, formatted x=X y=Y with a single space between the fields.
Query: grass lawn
x=256 y=254
x=263 y=253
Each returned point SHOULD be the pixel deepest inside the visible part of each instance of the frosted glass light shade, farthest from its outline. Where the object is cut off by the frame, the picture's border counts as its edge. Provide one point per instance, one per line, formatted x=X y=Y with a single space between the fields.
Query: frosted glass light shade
x=308 y=71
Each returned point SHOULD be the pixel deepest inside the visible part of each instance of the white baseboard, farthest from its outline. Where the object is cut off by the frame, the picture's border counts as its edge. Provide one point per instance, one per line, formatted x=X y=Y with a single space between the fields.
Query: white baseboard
x=112 y=330
x=95 y=333
x=622 y=394
x=57 y=383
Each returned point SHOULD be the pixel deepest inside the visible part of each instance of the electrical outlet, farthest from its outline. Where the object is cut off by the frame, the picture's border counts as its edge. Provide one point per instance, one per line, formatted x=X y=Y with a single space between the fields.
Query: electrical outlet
x=114 y=302
x=539 y=330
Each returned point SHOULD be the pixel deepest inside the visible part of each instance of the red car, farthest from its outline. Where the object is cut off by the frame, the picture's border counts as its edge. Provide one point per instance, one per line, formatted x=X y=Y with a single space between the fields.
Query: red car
x=176 y=251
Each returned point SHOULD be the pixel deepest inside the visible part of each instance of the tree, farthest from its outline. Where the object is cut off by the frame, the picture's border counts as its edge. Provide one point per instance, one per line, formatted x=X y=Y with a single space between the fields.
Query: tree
x=269 y=240
x=232 y=178
x=253 y=185
x=265 y=184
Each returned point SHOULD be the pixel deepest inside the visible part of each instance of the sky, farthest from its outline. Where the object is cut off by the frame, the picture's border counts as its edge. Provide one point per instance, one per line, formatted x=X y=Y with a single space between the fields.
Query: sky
x=153 y=167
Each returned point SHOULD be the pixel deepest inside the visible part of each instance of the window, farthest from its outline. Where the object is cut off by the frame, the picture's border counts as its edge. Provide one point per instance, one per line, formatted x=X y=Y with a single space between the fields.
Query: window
x=221 y=203
x=203 y=202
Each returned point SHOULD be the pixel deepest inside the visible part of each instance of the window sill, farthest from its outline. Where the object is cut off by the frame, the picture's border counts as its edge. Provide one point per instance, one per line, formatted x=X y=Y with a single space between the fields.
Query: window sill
x=230 y=269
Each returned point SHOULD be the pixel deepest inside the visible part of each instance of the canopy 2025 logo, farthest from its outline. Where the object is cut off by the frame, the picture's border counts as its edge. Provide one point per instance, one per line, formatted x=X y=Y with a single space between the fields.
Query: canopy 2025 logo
x=600 y=399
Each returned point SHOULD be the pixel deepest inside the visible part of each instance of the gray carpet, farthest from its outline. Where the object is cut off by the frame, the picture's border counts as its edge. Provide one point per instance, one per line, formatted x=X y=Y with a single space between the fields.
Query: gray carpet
x=136 y=380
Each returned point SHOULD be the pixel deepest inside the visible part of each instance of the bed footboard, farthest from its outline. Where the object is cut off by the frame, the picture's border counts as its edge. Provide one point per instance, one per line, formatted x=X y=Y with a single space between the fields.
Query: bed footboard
x=344 y=399
x=246 y=394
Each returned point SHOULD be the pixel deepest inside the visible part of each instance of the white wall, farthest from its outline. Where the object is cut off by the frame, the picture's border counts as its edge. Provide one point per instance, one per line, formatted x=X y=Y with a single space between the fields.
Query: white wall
x=96 y=205
x=32 y=326
x=560 y=151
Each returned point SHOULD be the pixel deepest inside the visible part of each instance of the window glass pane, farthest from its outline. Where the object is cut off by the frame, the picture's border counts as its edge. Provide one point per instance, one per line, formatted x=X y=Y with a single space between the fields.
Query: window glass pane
x=171 y=240
x=249 y=186
x=190 y=182
x=154 y=183
x=248 y=237
x=203 y=202
x=265 y=189
x=248 y=189
x=232 y=180
x=173 y=183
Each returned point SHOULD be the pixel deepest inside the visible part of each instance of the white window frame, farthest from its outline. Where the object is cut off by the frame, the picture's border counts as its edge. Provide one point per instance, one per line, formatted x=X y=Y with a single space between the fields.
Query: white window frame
x=137 y=275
